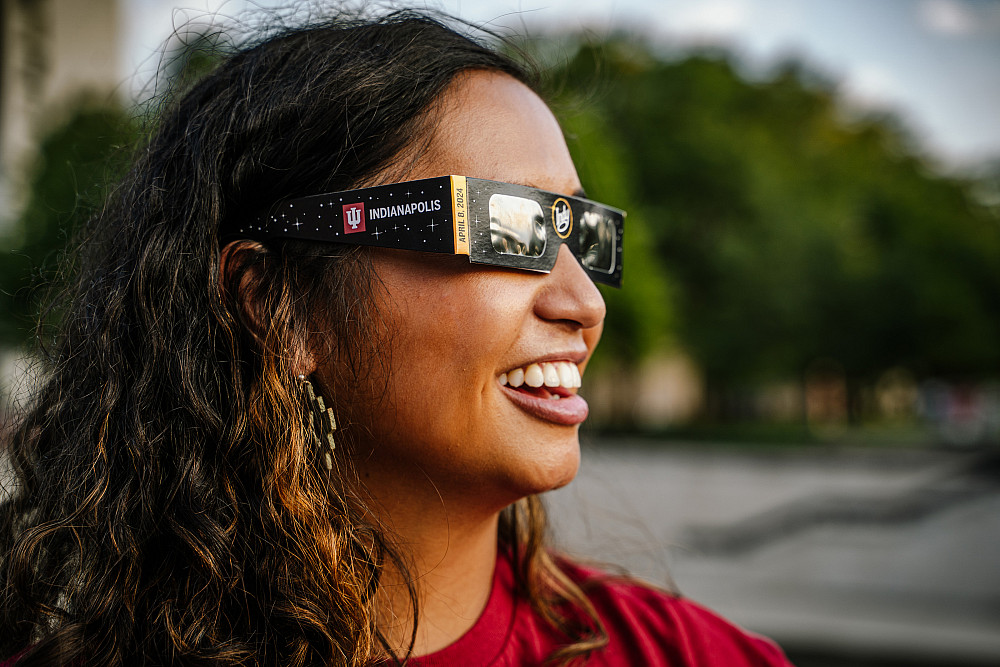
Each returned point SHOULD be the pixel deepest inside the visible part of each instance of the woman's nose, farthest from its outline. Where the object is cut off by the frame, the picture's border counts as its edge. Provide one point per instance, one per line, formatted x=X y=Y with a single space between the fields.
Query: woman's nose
x=569 y=294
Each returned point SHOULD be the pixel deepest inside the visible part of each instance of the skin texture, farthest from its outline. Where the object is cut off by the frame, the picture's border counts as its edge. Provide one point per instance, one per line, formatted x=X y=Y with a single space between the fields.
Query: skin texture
x=448 y=448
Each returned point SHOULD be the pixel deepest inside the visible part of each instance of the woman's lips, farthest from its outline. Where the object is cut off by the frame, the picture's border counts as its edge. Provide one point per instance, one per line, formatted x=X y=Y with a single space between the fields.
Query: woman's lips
x=567 y=410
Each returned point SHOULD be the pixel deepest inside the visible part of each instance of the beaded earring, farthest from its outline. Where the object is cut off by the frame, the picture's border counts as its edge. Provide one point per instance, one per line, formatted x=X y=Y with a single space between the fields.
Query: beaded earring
x=321 y=421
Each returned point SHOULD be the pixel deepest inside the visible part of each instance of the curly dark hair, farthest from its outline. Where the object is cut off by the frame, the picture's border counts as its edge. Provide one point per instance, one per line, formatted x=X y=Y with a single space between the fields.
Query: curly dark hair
x=167 y=507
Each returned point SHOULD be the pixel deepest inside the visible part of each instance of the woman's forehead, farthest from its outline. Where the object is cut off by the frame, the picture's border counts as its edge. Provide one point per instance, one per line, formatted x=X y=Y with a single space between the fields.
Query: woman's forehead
x=490 y=125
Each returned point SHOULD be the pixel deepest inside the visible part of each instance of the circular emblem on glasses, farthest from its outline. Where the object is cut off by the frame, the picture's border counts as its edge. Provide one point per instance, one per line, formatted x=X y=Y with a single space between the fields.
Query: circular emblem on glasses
x=562 y=217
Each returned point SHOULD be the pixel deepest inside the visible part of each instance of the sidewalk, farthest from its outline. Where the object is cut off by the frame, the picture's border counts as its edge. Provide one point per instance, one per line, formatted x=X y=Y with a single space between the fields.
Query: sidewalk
x=872 y=553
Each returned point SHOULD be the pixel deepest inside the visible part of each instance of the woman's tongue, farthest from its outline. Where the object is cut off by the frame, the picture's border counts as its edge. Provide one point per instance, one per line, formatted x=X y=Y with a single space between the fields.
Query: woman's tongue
x=539 y=392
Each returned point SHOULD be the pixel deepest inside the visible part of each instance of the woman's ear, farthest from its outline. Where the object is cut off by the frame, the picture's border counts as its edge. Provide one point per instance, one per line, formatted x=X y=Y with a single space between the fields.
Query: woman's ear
x=240 y=276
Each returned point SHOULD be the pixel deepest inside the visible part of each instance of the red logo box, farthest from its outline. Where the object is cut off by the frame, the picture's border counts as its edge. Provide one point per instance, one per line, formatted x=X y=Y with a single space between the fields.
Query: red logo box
x=354 y=218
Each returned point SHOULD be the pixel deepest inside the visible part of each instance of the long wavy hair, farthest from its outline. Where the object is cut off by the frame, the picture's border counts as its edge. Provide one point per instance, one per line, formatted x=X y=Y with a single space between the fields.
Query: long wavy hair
x=167 y=506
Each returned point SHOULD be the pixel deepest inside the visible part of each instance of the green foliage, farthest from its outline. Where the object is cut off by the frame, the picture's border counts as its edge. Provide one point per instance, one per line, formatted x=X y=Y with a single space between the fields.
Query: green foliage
x=74 y=164
x=773 y=232
x=765 y=231
x=639 y=317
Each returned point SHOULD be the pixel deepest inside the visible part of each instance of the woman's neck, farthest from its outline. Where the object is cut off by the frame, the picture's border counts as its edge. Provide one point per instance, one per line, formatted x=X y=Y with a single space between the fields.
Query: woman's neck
x=452 y=560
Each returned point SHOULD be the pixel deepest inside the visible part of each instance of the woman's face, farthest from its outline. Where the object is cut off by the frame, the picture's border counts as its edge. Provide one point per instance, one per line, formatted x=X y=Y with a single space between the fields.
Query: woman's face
x=447 y=424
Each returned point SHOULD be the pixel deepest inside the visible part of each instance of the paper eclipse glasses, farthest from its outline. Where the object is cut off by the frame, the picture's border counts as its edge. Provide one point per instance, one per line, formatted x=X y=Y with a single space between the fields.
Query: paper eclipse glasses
x=500 y=224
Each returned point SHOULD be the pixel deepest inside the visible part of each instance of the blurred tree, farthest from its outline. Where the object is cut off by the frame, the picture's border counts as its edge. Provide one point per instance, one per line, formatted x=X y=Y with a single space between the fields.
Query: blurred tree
x=784 y=233
x=75 y=164
x=642 y=314
x=765 y=231
x=67 y=186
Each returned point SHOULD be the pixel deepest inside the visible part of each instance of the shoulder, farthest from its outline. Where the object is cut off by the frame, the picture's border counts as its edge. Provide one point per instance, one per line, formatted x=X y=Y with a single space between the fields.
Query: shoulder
x=649 y=626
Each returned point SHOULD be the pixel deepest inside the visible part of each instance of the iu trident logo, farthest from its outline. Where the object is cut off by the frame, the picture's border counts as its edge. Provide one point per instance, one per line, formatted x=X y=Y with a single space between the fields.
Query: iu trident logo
x=562 y=217
x=354 y=218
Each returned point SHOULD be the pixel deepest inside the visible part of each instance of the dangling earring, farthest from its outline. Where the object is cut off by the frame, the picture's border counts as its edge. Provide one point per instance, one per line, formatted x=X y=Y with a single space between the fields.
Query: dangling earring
x=321 y=421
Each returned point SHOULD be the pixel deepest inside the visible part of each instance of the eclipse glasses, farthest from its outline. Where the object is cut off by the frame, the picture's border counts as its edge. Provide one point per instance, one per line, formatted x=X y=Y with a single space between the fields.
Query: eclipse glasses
x=500 y=224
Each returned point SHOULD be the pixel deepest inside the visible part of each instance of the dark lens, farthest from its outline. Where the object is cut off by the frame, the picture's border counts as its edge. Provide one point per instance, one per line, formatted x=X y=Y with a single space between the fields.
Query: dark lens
x=516 y=226
x=597 y=242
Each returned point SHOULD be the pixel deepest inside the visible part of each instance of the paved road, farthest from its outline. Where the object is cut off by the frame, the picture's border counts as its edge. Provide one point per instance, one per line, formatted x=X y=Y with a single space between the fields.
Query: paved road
x=877 y=554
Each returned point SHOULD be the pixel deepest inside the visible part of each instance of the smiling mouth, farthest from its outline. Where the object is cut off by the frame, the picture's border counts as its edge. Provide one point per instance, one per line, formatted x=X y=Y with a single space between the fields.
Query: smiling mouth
x=547 y=390
x=548 y=379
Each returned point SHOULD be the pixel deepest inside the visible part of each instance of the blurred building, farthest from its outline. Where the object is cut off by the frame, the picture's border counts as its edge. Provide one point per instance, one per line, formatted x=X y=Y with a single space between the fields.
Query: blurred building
x=52 y=53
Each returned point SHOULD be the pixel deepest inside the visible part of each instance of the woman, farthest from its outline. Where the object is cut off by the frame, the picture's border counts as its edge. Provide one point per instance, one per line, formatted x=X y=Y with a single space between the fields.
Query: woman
x=185 y=495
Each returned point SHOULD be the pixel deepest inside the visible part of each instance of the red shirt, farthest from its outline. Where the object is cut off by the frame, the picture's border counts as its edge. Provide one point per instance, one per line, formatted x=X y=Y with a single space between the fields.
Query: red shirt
x=646 y=628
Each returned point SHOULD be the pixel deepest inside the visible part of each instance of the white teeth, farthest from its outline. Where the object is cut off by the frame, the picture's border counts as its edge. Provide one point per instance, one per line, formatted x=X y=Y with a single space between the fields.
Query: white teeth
x=551 y=375
x=564 y=374
x=533 y=376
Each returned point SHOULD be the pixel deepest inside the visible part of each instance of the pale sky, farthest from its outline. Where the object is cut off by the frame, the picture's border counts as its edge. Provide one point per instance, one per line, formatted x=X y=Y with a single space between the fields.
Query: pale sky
x=936 y=63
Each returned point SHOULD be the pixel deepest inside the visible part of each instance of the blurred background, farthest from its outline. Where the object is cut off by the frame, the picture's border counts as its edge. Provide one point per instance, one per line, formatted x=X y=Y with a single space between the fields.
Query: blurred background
x=796 y=405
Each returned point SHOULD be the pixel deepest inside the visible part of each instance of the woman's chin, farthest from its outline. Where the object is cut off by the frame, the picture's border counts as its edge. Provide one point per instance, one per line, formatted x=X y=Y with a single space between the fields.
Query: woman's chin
x=557 y=469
